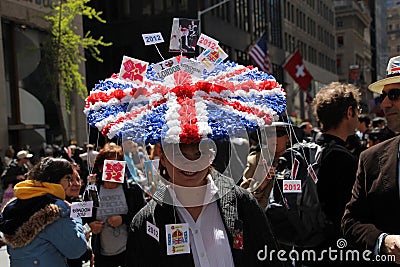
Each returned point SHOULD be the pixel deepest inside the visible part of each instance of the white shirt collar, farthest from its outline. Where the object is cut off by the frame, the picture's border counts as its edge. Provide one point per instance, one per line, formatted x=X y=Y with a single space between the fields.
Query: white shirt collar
x=193 y=196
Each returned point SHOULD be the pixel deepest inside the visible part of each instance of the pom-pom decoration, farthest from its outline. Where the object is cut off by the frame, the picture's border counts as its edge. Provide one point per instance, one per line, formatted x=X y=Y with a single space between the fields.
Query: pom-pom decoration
x=186 y=108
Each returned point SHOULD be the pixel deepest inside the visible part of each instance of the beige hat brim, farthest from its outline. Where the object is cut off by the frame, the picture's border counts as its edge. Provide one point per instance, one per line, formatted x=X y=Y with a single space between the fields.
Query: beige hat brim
x=377 y=86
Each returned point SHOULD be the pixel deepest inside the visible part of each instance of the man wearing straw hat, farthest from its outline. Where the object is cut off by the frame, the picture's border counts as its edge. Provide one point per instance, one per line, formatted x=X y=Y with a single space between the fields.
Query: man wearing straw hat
x=370 y=221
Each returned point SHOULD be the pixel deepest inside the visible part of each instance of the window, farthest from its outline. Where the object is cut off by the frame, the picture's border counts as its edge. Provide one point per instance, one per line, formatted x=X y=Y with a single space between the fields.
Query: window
x=340 y=41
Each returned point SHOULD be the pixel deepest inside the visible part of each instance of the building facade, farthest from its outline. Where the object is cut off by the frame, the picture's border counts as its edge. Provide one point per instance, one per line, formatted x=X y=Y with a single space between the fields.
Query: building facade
x=28 y=115
x=379 y=39
x=393 y=29
x=353 y=40
x=309 y=27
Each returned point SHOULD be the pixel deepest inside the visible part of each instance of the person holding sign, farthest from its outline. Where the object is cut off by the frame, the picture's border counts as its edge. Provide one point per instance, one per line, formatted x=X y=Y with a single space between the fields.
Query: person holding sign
x=118 y=203
x=40 y=207
x=72 y=194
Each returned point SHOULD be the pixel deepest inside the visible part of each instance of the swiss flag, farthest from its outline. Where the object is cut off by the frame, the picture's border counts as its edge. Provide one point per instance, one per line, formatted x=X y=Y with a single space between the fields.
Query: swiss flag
x=297 y=70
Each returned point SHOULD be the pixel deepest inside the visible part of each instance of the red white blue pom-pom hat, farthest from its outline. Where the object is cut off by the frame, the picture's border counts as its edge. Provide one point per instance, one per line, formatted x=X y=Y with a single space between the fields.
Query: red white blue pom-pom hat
x=392 y=76
x=182 y=108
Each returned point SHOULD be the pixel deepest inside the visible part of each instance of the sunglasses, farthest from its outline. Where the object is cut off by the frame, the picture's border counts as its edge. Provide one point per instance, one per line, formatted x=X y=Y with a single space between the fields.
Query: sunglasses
x=393 y=94
x=280 y=133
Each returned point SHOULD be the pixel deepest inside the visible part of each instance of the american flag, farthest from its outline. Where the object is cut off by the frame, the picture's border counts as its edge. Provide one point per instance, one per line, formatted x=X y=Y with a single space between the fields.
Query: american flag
x=259 y=54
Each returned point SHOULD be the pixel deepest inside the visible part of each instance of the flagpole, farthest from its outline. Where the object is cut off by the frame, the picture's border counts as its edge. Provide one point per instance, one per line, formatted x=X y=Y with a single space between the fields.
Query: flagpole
x=201 y=12
x=295 y=92
x=290 y=54
x=302 y=107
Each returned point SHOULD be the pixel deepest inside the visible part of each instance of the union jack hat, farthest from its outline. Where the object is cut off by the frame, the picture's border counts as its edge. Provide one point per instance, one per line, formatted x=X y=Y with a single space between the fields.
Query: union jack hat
x=184 y=108
x=392 y=76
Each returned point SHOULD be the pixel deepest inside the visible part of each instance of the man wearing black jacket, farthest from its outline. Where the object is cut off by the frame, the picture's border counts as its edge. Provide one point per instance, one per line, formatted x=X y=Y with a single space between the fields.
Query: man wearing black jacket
x=336 y=107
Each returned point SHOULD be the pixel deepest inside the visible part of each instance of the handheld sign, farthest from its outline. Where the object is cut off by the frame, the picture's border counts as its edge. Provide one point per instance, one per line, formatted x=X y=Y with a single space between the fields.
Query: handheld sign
x=81 y=209
x=114 y=171
x=152 y=38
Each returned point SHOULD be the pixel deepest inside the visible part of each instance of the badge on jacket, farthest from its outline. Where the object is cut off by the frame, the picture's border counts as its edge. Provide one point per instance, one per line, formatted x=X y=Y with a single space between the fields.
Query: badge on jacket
x=152 y=231
x=177 y=238
x=238 y=235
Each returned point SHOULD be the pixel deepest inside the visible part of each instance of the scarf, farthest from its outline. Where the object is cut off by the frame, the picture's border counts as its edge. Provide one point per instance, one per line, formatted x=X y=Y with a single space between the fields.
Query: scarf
x=30 y=188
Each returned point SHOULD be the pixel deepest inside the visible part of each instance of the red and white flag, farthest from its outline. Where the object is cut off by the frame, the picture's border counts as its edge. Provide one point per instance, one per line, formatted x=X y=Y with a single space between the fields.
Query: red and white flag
x=297 y=70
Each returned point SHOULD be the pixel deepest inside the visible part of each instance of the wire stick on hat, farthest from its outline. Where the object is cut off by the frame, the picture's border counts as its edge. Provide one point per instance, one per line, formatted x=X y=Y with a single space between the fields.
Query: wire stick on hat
x=159 y=52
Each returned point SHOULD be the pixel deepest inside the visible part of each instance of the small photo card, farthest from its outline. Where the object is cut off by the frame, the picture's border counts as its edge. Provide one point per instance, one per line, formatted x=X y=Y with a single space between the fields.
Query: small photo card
x=114 y=171
x=184 y=35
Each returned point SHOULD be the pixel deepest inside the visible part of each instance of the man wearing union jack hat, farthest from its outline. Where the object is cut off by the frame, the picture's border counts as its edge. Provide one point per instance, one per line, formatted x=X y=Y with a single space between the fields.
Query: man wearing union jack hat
x=369 y=221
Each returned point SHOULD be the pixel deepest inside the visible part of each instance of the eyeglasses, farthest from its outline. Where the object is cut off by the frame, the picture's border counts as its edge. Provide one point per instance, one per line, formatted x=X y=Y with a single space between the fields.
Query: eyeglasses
x=71 y=180
x=393 y=94
x=68 y=179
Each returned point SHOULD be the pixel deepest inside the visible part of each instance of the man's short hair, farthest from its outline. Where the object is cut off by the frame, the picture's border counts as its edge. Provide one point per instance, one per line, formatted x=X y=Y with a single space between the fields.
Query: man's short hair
x=332 y=102
x=364 y=118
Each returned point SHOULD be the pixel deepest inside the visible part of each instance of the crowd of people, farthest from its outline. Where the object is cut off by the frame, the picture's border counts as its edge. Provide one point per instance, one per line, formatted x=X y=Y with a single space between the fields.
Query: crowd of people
x=198 y=216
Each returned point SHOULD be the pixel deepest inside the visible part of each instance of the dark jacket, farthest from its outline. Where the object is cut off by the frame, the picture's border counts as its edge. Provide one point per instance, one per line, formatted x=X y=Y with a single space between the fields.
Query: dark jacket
x=375 y=196
x=336 y=177
x=135 y=201
x=236 y=204
x=11 y=172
